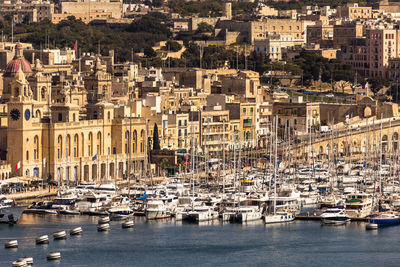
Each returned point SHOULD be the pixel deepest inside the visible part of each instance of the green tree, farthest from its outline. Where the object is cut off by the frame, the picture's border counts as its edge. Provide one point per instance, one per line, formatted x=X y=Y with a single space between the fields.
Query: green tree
x=156 y=141
x=204 y=27
x=173 y=46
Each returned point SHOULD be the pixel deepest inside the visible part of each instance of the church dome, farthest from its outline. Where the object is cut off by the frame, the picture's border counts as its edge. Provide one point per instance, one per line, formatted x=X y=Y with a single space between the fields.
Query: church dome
x=18 y=62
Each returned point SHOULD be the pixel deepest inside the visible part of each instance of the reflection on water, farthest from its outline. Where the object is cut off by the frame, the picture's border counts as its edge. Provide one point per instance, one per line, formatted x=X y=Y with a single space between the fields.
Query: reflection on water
x=167 y=242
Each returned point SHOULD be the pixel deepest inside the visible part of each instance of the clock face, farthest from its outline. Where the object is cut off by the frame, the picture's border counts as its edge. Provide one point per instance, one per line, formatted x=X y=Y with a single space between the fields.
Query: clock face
x=15 y=114
x=27 y=114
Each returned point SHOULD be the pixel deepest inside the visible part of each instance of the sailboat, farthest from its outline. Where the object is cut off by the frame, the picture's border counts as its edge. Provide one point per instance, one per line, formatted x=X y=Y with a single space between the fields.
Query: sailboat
x=282 y=216
x=383 y=218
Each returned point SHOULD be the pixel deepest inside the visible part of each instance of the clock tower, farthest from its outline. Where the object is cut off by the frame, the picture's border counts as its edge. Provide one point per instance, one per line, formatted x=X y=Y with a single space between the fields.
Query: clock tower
x=21 y=133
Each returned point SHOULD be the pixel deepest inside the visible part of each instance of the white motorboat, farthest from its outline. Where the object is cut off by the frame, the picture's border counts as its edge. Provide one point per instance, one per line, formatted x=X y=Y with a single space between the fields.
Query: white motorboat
x=242 y=214
x=120 y=212
x=202 y=214
x=64 y=202
x=156 y=209
x=10 y=214
x=279 y=217
x=335 y=216
x=358 y=205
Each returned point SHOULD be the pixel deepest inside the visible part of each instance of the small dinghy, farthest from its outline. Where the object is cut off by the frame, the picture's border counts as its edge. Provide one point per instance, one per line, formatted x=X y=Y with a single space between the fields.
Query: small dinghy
x=128 y=224
x=103 y=227
x=76 y=231
x=60 y=235
x=11 y=244
x=53 y=256
x=44 y=239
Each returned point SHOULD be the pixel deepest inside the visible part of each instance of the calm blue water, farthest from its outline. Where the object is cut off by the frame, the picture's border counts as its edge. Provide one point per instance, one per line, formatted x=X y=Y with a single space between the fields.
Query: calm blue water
x=168 y=243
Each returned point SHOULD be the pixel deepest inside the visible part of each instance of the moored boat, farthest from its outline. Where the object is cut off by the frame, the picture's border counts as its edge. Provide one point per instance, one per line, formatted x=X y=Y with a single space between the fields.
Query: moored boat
x=334 y=216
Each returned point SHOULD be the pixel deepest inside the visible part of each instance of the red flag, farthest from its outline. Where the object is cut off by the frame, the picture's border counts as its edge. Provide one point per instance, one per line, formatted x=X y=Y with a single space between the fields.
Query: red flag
x=18 y=166
x=75 y=45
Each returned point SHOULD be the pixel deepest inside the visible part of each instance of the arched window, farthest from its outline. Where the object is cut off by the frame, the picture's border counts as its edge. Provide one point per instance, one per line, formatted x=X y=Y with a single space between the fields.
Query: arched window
x=90 y=146
x=76 y=145
x=27 y=155
x=38 y=114
x=98 y=143
x=43 y=93
x=109 y=115
x=68 y=146
x=16 y=91
x=59 y=147
x=36 y=147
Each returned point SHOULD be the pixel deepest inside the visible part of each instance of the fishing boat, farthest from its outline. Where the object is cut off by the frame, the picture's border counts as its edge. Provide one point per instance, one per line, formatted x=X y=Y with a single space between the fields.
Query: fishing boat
x=335 y=216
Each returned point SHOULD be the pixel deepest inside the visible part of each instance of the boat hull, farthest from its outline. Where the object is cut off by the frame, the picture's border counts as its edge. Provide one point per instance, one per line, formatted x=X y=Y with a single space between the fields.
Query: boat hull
x=277 y=218
x=382 y=222
x=11 y=214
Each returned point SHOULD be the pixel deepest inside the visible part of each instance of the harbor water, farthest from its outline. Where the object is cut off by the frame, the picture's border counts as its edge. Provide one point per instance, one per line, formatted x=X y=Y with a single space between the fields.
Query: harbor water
x=168 y=243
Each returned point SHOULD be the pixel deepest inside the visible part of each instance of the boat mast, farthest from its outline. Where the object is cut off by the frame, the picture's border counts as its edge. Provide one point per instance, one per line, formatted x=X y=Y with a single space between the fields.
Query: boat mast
x=193 y=161
x=223 y=157
x=276 y=158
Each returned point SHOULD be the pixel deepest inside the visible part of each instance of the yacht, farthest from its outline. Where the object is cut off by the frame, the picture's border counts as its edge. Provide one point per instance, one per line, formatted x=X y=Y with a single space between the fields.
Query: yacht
x=66 y=202
x=335 y=216
x=279 y=217
x=201 y=214
x=120 y=212
x=358 y=205
x=385 y=219
x=9 y=213
x=156 y=209
x=242 y=214
x=91 y=202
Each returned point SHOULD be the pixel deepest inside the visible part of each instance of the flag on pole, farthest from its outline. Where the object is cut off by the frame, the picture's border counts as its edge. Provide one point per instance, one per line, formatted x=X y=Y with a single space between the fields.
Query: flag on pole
x=18 y=166
x=75 y=45
x=94 y=157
